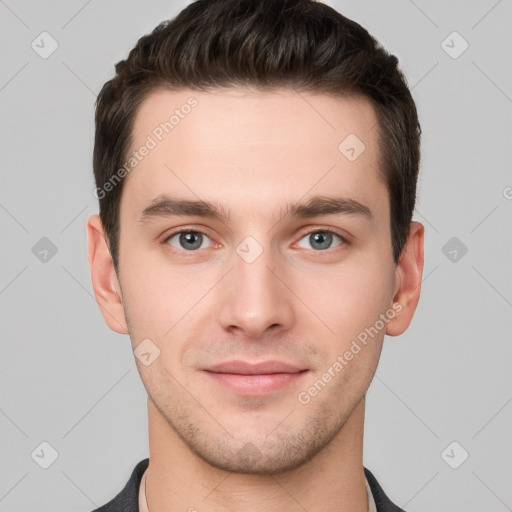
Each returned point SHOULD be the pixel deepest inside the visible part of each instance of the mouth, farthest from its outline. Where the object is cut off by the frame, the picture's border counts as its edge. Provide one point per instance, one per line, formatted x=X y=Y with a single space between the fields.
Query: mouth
x=254 y=379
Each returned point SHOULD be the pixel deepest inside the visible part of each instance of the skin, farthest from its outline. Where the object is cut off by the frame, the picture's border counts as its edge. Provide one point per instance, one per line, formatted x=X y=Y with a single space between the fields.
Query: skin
x=255 y=153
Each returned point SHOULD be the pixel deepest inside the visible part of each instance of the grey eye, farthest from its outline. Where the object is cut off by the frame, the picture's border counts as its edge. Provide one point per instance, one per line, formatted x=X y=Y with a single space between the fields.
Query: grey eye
x=188 y=240
x=319 y=240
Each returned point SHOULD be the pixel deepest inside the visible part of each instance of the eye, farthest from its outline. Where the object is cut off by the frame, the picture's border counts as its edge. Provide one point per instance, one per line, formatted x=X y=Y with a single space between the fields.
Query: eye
x=187 y=240
x=320 y=239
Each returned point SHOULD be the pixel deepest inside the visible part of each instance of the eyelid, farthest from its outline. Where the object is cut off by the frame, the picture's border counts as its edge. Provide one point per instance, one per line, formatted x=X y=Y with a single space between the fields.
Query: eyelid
x=181 y=230
x=327 y=229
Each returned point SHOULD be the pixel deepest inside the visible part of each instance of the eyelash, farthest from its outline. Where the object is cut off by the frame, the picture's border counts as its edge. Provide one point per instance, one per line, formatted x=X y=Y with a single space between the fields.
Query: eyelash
x=344 y=241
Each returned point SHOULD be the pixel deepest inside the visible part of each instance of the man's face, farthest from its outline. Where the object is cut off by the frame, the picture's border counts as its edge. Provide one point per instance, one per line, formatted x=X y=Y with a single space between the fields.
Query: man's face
x=264 y=284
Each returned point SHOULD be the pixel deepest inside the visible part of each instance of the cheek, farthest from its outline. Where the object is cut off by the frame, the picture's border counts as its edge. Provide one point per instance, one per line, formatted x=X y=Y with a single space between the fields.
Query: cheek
x=151 y=301
x=163 y=303
x=355 y=297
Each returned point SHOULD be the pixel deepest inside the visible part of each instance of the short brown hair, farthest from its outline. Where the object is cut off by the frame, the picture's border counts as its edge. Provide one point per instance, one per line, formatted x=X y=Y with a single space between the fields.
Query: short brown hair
x=264 y=44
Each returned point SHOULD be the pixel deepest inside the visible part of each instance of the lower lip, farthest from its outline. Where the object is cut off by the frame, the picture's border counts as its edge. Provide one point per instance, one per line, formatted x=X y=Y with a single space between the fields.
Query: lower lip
x=254 y=385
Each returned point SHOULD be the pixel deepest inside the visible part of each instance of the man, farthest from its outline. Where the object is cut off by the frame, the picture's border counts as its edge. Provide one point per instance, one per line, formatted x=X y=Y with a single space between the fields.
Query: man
x=256 y=166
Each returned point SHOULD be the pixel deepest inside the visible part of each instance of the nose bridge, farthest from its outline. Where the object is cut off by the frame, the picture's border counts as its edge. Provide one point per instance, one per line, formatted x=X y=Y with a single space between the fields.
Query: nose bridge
x=255 y=298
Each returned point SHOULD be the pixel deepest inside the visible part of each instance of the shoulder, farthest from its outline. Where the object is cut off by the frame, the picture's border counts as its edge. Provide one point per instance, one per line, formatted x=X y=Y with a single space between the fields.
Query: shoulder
x=382 y=502
x=127 y=499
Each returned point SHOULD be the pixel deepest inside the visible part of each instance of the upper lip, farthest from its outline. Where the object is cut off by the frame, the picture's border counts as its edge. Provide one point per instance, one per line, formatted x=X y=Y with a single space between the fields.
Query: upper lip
x=244 y=368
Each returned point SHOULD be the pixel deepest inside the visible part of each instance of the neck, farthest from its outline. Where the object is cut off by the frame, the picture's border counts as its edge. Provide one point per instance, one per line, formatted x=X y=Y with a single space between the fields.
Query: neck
x=333 y=480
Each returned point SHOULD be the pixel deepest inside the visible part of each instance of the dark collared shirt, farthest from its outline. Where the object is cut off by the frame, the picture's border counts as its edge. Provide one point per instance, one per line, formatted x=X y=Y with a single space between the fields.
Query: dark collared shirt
x=127 y=500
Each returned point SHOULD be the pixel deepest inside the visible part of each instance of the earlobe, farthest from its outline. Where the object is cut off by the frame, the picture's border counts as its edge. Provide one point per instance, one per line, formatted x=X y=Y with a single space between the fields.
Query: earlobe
x=104 y=279
x=408 y=276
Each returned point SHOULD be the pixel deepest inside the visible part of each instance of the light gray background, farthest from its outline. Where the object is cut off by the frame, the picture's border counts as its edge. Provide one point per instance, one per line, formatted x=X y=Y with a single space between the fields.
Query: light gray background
x=67 y=380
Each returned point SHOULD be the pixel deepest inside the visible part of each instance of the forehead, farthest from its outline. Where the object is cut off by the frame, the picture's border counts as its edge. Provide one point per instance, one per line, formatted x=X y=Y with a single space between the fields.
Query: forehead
x=253 y=117
x=241 y=143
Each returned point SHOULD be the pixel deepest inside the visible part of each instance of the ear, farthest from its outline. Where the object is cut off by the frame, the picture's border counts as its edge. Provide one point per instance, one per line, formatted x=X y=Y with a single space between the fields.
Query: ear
x=408 y=275
x=104 y=279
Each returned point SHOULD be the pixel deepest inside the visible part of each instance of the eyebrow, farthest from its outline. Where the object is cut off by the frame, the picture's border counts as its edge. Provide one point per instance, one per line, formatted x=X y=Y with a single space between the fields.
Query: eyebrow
x=165 y=206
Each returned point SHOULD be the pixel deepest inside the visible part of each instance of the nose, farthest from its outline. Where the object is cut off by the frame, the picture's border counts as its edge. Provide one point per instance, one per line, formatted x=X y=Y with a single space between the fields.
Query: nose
x=255 y=298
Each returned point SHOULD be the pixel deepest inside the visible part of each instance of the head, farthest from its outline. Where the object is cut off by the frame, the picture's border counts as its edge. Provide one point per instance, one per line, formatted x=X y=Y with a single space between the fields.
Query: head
x=283 y=142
